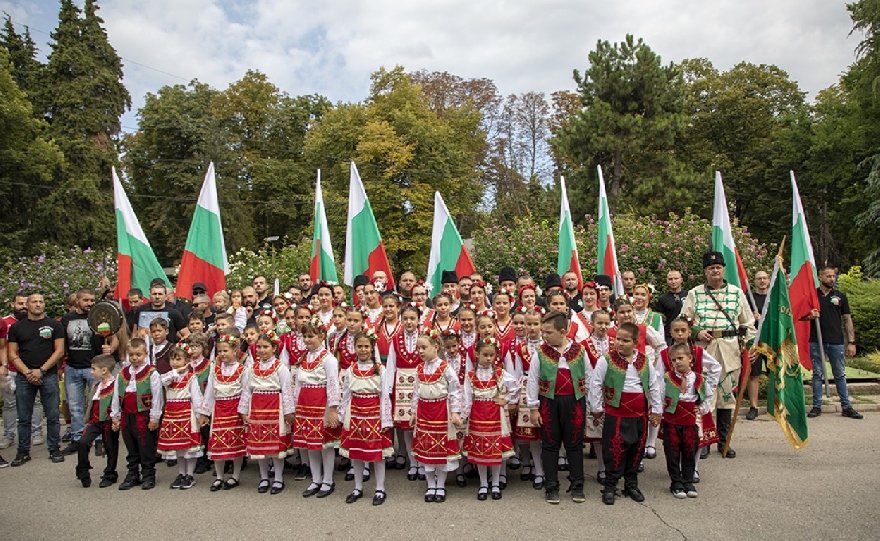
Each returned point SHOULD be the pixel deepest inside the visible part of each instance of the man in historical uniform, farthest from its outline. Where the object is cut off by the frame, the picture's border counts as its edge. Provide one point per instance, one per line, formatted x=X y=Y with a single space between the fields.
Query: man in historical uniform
x=724 y=325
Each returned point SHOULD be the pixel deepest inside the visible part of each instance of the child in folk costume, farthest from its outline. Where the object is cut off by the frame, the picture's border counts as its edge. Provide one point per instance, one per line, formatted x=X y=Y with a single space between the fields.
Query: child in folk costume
x=296 y=317
x=316 y=397
x=488 y=390
x=502 y=303
x=201 y=368
x=337 y=322
x=688 y=395
x=558 y=302
x=597 y=346
x=99 y=424
x=267 y=406
x=249 y=343
x=442 y=319
x=590 y=298
x=556 y=397
x=625 y=389
x=344 y=351
x=710 y=368
x=372 y=310
x=366 y=418
x=160 y=347
x=179 y=436
x=436 y=411
x=219 y=412
x=467 y=320
x=388 y=327
x=455 y=357
x=524 y=432
x=135 y=411
x=403 y=362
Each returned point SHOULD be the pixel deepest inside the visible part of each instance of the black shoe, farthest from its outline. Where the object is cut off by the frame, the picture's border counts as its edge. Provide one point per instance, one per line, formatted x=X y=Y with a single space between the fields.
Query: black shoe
x=107 y=481
x=483 y=494
x=55 y=456
x=412 y=474
x=730 y=452
x=752 y=414
x=263 y=487
x=202 y=466
x=86 y=481
x=815 y=412
x=440 y=495
x=634 y=493
x=171 y=463
x=131 y=480
x=344 y=465
x=379 y=497
x=312 y=489
x=324 y=492
x=851 y=413
x=514 y=463
x=177 y=481
x=230 y=483
x=538 y=483
x=21 y=458
x=349 y=477
x=600 y=477
x=552 y=497
x=277 y=487
x=301 y=473
x=496 y=493
x=460 y=481
x=70 y=449
x=68 y=435
x=430 y=495
x=592 y=453
x=150 y=482
x=704 y=452
x=399 y=462
x=188 y=482
x=641 y=467
x=526 y=474
x=354 y=496
x=227 y=468
x=607 y=498
x=217 y=485
x=502 y=481
x=577 y=494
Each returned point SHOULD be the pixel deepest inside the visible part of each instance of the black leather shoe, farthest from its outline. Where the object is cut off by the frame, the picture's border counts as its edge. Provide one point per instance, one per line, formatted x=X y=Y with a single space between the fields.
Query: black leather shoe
x=460 y=480
x=311 y=490
x=496 y=493
x=324 y=492
x=349 y=477
x=430 y=495
x=86 y=482
x=69 y=450
x=440 y=495
x=608 y=498
x=851 y=413
x=379 y=497
x=483 y=494
x=704 y=452
x=730 y=452
x=815 y=412
x=130 y=481
x=107 y=481
x=752 y=414
x=277 y=487
x=148 y=483
x=412 y=474
x=354 y=496
x=263 y=487
x=502 y=481
x=217 y=485
x=634 y=493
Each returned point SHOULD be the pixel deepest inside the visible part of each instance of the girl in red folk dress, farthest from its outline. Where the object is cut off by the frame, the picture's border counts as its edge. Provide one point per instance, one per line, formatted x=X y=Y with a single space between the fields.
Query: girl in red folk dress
x=366 y=418
x=179 y=437
x=420 y=300
x=338 y=322
x=296 y=317
x=584 y=318
x=389 y=326
x=597 y=346
x=557 y=301
x=503 y=321
x=524 y=432
x=443 y=320
x=467 y=320
x=487 y=392
x=403 y=361
x=461 y=365
x=436 y=412
x=219 y=409
x=317 y=397
x=266 y=407
x=343 y=349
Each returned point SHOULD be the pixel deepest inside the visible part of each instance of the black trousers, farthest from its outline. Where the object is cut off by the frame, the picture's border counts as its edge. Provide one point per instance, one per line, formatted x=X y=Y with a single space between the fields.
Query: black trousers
x=562 y=425
x=680 y=443
x=92 y=432
x=140 y=443
x=623 y=442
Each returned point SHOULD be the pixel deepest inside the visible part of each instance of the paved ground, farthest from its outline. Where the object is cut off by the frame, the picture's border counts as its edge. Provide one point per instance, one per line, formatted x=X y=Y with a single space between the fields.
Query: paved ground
x=828 y=490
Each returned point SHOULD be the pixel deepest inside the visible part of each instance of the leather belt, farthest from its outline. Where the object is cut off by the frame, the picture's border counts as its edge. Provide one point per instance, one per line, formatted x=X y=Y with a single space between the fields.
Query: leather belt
x=724 y=334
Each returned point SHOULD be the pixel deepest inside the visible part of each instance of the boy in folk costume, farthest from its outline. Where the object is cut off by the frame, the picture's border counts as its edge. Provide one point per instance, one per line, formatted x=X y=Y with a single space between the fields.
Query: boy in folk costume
x=135 y=411
x=687 y=396
x=179 y=436
x=624 y=388
x=99 y=424
x=556 y=396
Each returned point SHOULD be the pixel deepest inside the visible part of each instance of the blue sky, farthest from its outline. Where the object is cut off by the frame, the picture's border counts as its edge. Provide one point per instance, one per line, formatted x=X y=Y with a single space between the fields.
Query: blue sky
x=331 y=48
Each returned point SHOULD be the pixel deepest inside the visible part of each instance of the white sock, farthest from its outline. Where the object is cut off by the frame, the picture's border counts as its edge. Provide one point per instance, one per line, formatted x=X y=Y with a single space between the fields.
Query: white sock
x=315 y=464
x=600 y=458
x=278 y=463
x=652 y=436
x=431 y=478
x=441 y=478
x=484 y=475
x=264 y=467
x=407 y=441
x=236 y=467
x=379 y=473
x=697 y=461
x=535 y=451
x=496 y=475
x=219 y=465
x=358 y=466
x=329 y=458
x=190 y=466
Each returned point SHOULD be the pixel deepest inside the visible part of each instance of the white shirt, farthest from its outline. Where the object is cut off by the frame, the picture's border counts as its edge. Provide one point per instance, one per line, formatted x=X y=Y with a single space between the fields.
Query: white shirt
x=454 y=389
x=508 y=383
x=287 y=403
x=532 y=395
x=157 y=402
x=632 y=383
x=331 y=369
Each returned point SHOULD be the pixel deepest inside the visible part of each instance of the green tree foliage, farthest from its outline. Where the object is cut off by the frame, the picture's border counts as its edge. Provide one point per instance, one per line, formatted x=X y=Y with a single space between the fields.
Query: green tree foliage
x=404 y=151
x=26 y=70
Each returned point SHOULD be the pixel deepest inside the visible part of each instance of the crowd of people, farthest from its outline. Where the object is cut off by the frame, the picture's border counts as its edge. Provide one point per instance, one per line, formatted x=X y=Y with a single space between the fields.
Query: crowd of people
x=474 y=381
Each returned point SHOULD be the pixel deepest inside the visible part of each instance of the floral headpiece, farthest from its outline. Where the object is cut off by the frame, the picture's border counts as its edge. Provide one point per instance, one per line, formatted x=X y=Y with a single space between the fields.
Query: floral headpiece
x=184 y=347
x=228 y=339
x=592 y=285
x=371 y=334
x=491 y=340
x=505 y=291
x=488 y=312
x=479 y=283
x=469 y=305
x=317 y=323
x=449 y=333
x=527 y=286
x=540 y=310
x=433 y=334
x=273 y=337
x=648 y=287
x=379 y=285
x=686 y=319
x=269 y=313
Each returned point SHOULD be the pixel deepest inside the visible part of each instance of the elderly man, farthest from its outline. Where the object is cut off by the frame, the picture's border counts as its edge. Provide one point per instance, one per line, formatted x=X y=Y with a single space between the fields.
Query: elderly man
x=724 y=325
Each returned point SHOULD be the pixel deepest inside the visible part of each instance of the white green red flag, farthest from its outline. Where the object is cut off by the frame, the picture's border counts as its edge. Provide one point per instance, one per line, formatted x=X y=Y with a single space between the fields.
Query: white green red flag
x=722 y=239
x=137 y=263
x=568 y=255
x=804 y=278
x=448 y=252
x=364 y=250
x=323 y=266
x=606 y=260
x=204 y=256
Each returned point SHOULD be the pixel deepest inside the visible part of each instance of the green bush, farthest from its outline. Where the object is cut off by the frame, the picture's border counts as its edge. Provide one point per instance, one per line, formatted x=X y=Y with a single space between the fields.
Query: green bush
x=864 y=302
x=285 y=263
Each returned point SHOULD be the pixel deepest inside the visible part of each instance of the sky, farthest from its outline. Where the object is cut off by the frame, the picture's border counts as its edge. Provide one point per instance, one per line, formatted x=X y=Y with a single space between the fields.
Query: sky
x=331 y=48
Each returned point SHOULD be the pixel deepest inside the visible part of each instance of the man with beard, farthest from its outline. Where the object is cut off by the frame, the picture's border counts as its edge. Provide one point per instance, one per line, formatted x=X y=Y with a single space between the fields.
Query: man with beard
x=159 y=307
x=249 y=301
x=405 y=283
x=572 y=293
x=261 y=287
x=669 y=304
x=10 y=413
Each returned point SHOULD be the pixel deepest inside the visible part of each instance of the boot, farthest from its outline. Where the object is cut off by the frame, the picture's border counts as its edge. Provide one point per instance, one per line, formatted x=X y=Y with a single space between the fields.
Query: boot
x=723 y=418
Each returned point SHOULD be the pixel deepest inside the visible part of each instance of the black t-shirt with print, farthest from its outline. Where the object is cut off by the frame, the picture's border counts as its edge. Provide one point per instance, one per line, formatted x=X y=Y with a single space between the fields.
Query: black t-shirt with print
x=36 y=341
x=82 y=344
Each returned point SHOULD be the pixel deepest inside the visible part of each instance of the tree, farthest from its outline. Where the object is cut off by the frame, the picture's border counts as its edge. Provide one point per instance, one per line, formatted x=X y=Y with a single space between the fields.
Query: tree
x=26 y=69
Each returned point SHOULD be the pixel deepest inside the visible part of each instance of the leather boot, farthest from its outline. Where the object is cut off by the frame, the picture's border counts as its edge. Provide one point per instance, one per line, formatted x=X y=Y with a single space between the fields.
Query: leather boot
x=723 y=419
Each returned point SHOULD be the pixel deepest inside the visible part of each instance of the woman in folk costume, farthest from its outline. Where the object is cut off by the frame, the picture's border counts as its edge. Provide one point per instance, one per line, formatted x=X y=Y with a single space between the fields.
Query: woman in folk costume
x=597 y=345
x=316 y=401
x=372 y=310
x=179 y=437
x=528 y=297
x=478 y=296
x=502 y=304
x=389 y=326
x=366 y=417
x=267 y=406
x=642 y=313
x=488 y=390
x=435 y=413
x=403 y=362
x=590 y=297
x=219 y=410
x=420 y=300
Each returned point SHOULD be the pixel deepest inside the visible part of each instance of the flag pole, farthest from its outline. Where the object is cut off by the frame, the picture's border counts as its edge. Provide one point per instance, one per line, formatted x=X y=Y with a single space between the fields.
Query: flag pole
x=822 y=357
x=744 y=380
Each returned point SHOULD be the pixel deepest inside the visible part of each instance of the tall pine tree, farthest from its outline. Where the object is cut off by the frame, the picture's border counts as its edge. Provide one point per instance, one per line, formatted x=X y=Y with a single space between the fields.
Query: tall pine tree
x=26 y=70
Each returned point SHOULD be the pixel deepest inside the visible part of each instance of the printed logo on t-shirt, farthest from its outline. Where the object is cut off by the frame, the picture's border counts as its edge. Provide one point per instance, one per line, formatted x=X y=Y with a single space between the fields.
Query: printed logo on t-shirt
x=147 y=316
x=79 y=335
x=835 y=300
x=46 y=332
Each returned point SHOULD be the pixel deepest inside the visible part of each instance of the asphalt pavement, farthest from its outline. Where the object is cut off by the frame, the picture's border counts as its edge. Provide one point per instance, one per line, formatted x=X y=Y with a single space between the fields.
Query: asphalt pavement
x=827 y=490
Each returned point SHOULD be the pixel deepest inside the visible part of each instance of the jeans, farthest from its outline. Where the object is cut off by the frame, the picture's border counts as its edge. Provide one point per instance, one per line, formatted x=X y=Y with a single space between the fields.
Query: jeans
x=10 y=415
x=835 y=356
x=25 y=396
x=77 y=382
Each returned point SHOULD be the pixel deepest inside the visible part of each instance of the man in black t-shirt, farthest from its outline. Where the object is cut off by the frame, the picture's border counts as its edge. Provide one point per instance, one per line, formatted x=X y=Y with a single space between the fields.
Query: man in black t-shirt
x=835 y=321
x=82 y=345
x=159 y=308
x=669 y=304
x=36 y=345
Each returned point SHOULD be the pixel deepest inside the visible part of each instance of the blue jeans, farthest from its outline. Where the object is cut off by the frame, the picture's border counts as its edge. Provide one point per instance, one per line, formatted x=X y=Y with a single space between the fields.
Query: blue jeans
x=834 y=354
x=77 y=381
x=25 y=396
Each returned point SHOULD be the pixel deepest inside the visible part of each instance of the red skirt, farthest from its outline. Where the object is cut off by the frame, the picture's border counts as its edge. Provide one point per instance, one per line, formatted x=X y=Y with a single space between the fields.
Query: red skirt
x=177 y=432
x=484 y=445
x=708 y=433
x=264 y=438
x=431 y=441
x=227 y=431
x=309 y=431
x=365 y=439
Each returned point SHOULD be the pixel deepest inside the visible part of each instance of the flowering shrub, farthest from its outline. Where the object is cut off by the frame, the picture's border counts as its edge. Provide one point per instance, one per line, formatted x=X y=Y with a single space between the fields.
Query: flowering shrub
x=55 y=273
x=284 y=263
x=648 y=246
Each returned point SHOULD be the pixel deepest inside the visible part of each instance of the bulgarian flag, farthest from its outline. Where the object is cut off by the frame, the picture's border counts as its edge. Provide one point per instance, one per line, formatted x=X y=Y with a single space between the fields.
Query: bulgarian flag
x=364 y=250
x=323 y=266
x=606 y=260
x=448 y=252
x=568 y=253
x=804 y=281
x=777 y=341
x=137 y=262
x=722 y=239
x=204 y=256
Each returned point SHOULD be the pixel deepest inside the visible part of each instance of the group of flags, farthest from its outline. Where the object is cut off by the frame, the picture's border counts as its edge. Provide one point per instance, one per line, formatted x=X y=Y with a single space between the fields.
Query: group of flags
x=783 y=335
